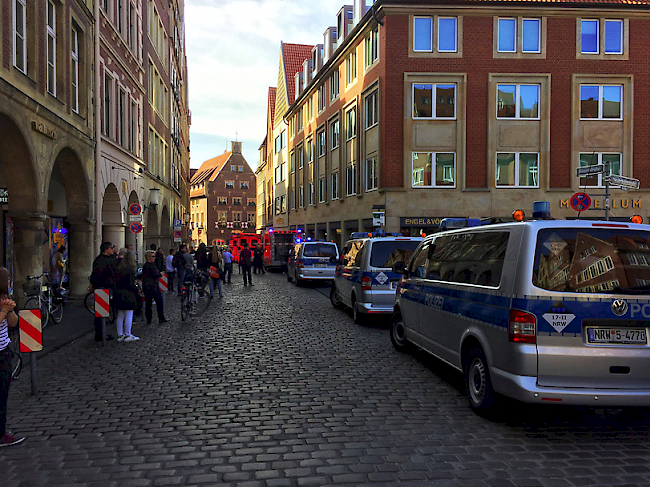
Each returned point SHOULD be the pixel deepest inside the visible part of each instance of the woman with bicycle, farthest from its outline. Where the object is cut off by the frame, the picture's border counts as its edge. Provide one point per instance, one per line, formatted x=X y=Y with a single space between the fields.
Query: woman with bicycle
x=9 y=319
x=126 y=297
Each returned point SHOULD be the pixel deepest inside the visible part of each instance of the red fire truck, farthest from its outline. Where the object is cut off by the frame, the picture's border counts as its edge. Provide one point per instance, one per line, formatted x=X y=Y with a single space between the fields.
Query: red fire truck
x=237 y=243
x=277 y=245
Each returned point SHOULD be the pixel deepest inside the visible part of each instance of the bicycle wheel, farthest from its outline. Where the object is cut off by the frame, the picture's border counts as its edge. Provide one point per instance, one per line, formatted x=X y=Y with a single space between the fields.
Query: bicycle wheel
x=200 y=302
x=32 y=303
x=184 y=306
x=89 y=302
x=14 y=348
x=56 y=312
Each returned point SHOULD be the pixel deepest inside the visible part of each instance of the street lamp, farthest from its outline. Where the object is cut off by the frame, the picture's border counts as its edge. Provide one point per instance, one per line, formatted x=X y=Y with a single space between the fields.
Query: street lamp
x=187 y=217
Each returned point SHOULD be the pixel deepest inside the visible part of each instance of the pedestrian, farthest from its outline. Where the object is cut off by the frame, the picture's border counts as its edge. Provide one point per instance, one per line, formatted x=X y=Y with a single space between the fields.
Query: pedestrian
x=171 y=272
x=58 y=267
x=160 y=260
x=258 y=260
x=216 y=271
x=189 y=261
x=103 y=277
x=150 y=277
x=126 y=297
x=202 y=258
x=179 y=264
x=227 y=266
x=246 y=261
x=9 y=319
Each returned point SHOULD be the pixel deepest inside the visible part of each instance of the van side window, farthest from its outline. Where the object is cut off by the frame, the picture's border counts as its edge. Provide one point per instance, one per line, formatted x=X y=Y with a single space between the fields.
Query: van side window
x=470 y=258
x=353 y=254
x=418 y=266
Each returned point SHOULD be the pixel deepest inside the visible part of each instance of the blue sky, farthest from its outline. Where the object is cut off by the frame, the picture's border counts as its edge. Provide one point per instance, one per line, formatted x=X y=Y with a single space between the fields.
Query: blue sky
x=233 y=49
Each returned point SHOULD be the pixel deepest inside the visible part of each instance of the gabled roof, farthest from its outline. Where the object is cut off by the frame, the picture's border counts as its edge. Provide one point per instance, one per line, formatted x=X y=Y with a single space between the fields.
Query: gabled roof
x=272 y=92
x=294 y=55
x=210 y=169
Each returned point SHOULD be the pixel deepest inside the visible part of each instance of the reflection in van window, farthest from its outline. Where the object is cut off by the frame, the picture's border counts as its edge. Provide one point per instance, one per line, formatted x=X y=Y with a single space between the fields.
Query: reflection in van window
x=319 y=250
x=386 y=253
x=353 y=253
x=592 y=260
x=470 y=258
x=419 y=265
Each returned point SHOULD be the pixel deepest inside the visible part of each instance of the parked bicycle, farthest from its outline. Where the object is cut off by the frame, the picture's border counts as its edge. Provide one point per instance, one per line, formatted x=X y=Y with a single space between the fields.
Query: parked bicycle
x=42 y=296
x=14 y=349
x=195 y=298
x=89 y=301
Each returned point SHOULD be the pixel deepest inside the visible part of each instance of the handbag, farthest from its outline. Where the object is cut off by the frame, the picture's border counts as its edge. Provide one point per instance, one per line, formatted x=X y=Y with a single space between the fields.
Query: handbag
x=214 y=272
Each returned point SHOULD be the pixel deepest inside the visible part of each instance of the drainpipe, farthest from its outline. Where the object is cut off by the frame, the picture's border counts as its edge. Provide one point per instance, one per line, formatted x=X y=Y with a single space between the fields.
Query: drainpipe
x=98 y=133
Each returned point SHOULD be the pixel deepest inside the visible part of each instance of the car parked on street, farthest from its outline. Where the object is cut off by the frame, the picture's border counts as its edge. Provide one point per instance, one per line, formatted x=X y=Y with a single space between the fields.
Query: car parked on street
x=312 y=261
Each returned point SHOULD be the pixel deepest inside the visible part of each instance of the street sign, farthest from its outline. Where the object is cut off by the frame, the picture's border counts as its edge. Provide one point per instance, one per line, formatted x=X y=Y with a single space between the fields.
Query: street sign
x=135 y=218
x=177 y=234
x=580 y=201
x=135 y=209
x=623 y=182
x=378 y=218
x=589 y=170
x=178 y=240
x=136 y=227
x=31 y=331
x=177 y=223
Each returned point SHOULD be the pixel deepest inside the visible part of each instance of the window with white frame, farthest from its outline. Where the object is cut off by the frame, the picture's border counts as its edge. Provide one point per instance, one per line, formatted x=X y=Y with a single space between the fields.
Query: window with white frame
x=292 y=162
x=236 y=201
x=292 y=198
x=301 y=196
x=351 y=180
x=434 y=101
x=434 y=170
x=20 y=35
x=108 y=97
x=335 y=128
x=230 y=184
x=334 y=85
x=372 y=177
x=445 y=37
x=335 y=185
x=301 y=157
x=372 y=47
x=507 y=40
x=590 y=38
x=601 y=102
x=281 y=141
x=309 y=109
x=131 y=34
x=51 y=48
x=309 y=146
x=310 y=194
x=322 y=101
x=594 y=158
x=299 y=125
x=222 y=200
x=121 y=118
x=517 y=170
x=322 y=146
x=372 y=109
x=74 y=70
x=351 y=68
x=518 y=101
x=351 y=124
x=321 y=190
x=135 y=118
x=244 y=184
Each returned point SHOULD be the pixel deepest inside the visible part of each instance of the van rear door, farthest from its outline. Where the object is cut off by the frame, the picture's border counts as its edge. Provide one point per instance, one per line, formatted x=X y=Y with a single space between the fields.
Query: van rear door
x=383 y=254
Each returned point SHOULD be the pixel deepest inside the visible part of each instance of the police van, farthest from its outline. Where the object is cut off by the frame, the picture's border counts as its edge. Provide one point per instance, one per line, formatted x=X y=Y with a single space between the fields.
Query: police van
x=312 y=261
x=364 y=280
x=546 y=311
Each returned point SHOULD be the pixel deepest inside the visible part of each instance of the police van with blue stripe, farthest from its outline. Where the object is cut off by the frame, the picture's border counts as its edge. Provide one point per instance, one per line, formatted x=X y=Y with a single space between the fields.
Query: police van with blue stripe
x=545 y=311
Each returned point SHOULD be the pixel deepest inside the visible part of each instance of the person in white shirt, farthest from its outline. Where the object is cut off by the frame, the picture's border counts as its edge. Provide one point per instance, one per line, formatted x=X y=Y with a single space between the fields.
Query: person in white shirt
x=227 y=265
x=170 y=270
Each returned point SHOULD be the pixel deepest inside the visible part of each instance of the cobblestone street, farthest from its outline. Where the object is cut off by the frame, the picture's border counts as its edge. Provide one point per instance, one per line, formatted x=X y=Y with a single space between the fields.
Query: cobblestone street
x=275 y=387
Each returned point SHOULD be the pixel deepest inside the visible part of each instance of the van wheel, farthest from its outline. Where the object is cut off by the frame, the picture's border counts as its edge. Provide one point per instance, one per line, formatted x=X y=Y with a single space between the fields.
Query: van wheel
x=334 y=298
x=478 y=385
x=298 y=280
x=398 y=333
x=357 y=315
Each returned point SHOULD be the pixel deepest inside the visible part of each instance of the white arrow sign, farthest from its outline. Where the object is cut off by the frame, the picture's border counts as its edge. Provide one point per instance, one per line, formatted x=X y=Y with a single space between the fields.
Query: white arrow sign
x=623 y=182
x=589 y=170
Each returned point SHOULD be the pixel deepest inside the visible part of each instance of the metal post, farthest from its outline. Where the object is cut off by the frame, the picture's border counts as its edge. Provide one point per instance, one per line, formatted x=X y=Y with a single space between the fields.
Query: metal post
x=606 y=176
x=104 y=331
x=32 y=370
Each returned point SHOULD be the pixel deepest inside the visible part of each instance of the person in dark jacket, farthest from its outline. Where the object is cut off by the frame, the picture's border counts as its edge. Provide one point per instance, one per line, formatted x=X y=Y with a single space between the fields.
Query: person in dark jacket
x=246 y=261
x=126 y=297
x=202 y=258
x=102 y=277
x=150 y=276
x=179 y=264
x=160 y=259
x=258 y=260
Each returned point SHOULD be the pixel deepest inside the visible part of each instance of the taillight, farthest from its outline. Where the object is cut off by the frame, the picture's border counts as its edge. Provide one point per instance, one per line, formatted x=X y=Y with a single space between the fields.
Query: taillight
x=300 y=264
x=521 y=327
x=366 y=283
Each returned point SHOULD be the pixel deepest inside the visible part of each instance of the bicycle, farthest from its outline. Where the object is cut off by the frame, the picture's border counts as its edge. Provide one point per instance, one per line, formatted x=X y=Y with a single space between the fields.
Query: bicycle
x=195 y=299
x=43 y=297
x=14 y=349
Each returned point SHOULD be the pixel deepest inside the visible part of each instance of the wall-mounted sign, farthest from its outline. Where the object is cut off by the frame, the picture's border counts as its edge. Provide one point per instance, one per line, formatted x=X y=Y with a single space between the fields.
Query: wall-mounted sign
x=421 y=221
x=39 y=127
x=4 y=196
x=600 y=203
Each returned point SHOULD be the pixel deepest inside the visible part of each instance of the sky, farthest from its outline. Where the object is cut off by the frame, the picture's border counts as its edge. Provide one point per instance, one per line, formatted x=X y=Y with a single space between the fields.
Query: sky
x=233 y=54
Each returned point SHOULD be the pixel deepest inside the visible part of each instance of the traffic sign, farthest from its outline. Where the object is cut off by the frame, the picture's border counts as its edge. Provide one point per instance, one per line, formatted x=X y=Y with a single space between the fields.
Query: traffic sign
x=177 y=223
x=135 y=218
x=135 y=209
x=163 y=283
x=623 y=182
x=177 y=234
x=136 y=227
x=580 y=201
x=102 y=303
x=31 y=331
x=589 y=170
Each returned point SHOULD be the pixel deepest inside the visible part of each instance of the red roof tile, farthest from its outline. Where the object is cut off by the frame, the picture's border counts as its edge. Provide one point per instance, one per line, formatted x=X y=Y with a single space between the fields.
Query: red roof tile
x=210 y=168
x=272 y=92
x=294 y=55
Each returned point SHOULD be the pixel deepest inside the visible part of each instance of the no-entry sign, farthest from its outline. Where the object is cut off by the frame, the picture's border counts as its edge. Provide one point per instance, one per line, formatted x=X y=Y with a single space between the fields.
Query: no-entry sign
x=136 y=227
x=135 y=209
x=580 y=201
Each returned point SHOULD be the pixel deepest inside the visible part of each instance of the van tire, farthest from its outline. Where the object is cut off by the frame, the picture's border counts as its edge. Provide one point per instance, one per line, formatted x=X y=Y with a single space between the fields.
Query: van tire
x=478 y=385
x=334 y=298
x=298 y=280
x=357 y=316
x=397 y=333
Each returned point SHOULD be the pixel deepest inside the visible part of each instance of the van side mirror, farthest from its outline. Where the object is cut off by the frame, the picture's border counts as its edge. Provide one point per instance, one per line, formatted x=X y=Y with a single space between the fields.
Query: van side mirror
x=399 y=268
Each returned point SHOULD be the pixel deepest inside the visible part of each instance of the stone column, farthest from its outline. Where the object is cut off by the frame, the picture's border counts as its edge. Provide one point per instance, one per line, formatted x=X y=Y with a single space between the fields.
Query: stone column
x=113 y=233
x=82 y=252
x=29 y=237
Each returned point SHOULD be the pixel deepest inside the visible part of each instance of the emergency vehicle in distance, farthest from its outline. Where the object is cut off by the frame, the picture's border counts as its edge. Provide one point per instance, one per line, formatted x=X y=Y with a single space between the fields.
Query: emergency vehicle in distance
x=277 y=245
x=237 y=243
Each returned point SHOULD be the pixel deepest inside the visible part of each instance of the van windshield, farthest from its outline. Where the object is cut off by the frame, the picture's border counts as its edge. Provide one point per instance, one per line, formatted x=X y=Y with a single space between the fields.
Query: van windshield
x=319 y=250
x=284 y=238
x=386 y=253
x=593 y=260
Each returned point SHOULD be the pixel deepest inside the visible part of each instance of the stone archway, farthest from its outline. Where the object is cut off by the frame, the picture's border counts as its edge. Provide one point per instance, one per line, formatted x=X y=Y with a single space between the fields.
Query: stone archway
x=112 y=218
x=152 y=228
x=132 y=238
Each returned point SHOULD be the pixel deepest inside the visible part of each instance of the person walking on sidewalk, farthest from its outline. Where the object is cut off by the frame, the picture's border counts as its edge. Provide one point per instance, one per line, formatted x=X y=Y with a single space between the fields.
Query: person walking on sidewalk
x=246 y=261
x=216 y=269
x=9 y=319
x=179 y=264
x=258 y=260
x=170 y=270
x=126 y=298
x=150 y=276
x=102 y=277
x=227 y=266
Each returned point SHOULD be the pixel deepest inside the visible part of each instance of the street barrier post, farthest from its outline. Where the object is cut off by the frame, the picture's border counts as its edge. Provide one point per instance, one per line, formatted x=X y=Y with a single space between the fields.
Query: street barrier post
x=31 y=339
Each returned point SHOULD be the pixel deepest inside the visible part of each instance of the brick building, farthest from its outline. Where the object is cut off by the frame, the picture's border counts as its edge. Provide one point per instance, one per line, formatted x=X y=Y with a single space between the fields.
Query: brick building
x=222 y=198
x=467 y=109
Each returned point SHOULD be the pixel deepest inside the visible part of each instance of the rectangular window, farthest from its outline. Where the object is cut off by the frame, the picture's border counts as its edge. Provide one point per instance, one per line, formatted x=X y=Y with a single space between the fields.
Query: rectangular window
x=447 y=34
x=243 y=185
x=250 y=201
x=335 y=185
x=74 y=70
x=51 y=48
x=121 y=117
x=589 y=42
x=372 y=177
x=309 y=109
x=292 y=199
x=372 y=47
x=351 y=124
x=321 y=190
x=322 y=146
x=601 y=102
x=301 y=197
x=230 y=184
x=334 y=131
x=108 y=94
x=351 y=180
x=425 y=175
x=334 y=85
x=424 y=96
x=594 y=158
x=134 y=127
x=236 y=216
x=20 y=35
x=517 y=170
x=236 y=201
x=371 y=110
x=299 y=119
x=507 y=41
x=132 y=20
x=310 y=194
x=423 y=34
x=322 y=102
x=531 y=35
x=292 y=162
x=309 y=146
x=301 y=158
x=613 y=37
x=518 y=101
x=351 y=68
x=222 y=200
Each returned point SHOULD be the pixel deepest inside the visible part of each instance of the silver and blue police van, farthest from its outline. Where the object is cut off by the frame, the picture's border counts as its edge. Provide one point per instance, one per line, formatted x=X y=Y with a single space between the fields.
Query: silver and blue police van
x=312 y=261
x=364 y=280
x=546 y=311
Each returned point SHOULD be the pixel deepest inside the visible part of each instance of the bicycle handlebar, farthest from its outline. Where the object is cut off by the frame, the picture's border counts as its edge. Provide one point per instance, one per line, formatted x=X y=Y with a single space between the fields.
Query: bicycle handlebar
x=31 y=278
